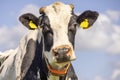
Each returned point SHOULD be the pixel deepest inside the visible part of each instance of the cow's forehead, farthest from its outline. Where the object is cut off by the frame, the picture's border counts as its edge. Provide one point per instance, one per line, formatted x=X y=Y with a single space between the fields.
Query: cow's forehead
x=58 y=7
x=58 y=14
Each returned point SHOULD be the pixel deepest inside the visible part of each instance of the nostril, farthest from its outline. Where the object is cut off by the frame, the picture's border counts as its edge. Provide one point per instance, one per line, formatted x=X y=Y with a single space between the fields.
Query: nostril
x=55 y=51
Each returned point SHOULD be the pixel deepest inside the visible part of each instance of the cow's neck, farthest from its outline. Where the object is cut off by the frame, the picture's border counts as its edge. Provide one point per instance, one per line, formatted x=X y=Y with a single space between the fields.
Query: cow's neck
x=53 y=77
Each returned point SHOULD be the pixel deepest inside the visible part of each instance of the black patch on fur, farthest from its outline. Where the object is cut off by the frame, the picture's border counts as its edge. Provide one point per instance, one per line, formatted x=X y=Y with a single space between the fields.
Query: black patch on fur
x=71 y=73
x=38 y=65
x=47 y=32
x=29 y=56
x=72 y=29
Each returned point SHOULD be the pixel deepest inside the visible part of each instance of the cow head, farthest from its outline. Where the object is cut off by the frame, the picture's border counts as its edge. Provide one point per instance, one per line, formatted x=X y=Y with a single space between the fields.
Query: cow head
x=59 y=24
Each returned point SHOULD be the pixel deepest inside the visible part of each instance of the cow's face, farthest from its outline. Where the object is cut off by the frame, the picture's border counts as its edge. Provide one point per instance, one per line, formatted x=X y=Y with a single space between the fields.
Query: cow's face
x=59 y=24
x=58 y=33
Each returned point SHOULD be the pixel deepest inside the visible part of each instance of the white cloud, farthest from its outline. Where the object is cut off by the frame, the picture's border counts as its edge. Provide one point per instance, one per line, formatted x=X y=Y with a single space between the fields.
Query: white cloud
x=117 y=64
x=10 y=36
x=114 y=48
x=99 y=78
x=116 y=75
x=31 y=8
x=104 y=36
x=114 y=15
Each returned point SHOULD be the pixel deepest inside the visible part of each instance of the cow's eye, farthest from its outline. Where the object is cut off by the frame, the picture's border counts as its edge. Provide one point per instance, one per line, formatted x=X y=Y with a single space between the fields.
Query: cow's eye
x=46 y=29
x=73 y=27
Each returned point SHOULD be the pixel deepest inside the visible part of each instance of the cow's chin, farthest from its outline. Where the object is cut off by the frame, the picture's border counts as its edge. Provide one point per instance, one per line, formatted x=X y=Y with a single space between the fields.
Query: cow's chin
x=58 y=68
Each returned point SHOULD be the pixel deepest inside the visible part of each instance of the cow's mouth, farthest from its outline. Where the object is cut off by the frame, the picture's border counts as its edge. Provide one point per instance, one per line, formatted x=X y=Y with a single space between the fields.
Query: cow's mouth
x=58 y=71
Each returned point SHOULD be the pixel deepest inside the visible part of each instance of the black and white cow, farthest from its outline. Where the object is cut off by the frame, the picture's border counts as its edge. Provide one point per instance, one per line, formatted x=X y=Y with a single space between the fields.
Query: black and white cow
x=46 y=52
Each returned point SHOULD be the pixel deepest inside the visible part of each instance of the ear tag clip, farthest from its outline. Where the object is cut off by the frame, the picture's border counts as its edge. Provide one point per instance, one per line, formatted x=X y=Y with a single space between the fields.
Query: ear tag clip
x=85 y=24
x=32 y=25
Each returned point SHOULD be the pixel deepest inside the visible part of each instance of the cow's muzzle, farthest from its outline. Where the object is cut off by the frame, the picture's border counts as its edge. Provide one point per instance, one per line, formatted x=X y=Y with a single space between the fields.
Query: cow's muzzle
x=62 y=53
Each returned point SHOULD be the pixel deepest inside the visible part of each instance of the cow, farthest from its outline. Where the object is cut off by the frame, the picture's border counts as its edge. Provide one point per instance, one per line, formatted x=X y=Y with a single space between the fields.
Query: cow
x=46 y=52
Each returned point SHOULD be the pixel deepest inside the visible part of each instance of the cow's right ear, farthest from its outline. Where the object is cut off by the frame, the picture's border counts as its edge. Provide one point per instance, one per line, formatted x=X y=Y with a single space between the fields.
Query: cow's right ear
x=87 y=19
x=29 y=20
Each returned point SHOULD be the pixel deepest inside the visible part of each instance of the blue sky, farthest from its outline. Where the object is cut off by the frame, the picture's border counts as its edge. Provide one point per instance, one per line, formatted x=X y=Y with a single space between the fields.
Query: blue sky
x=97 y=49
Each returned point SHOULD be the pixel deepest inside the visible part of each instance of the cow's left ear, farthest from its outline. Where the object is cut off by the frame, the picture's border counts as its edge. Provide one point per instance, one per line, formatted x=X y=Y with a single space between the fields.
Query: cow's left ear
x=29 y=20
x=87 y=18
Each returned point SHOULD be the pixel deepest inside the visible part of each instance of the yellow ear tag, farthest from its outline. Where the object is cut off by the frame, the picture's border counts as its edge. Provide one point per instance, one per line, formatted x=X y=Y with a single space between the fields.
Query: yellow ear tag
x=32 y=25
x=84 y=24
